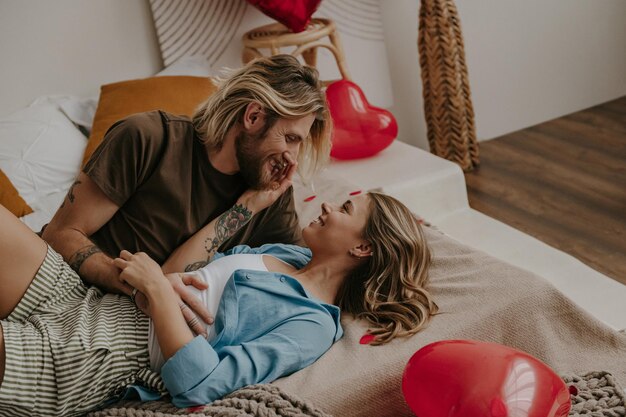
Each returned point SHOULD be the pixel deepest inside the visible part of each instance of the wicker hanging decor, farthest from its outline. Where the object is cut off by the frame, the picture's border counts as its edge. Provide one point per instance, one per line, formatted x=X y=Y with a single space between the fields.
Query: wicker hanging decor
x=447 y=99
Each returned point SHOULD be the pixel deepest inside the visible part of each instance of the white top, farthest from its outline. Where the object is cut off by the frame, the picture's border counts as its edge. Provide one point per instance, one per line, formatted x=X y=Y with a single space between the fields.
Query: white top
x=216 y=275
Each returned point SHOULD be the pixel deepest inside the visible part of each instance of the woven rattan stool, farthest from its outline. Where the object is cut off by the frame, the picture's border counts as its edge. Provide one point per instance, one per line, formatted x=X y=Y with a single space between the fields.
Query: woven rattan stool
x=305 y=43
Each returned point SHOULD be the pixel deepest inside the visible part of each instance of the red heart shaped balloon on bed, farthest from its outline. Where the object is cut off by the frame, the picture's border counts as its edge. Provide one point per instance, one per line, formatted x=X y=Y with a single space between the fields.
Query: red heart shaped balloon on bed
x=360 y=130
x=295 y=14
x=465 y=378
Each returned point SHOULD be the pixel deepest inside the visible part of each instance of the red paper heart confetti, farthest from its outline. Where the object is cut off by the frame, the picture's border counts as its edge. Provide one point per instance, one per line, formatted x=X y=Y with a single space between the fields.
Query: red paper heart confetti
x=196 y=408
x=367 y=339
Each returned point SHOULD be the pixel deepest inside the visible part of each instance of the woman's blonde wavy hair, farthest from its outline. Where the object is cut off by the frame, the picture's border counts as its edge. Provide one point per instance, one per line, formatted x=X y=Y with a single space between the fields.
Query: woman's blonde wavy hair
x=389 y=288
x=286 y=89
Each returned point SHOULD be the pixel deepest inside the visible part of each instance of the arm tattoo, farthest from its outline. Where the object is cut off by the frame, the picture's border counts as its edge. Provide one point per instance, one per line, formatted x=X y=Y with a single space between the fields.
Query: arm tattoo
x=226 y=226
x=195 y=266
x=70 y=193
x=77 y=259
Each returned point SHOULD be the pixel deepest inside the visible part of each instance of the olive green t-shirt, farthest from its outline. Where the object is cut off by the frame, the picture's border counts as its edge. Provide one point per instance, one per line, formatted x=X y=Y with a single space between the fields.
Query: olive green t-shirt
x=154 y=167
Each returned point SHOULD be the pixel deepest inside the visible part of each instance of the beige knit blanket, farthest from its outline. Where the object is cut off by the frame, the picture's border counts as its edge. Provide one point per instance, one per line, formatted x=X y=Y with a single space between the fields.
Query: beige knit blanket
x=480 y=298
x=595 y=394
x=262 y=400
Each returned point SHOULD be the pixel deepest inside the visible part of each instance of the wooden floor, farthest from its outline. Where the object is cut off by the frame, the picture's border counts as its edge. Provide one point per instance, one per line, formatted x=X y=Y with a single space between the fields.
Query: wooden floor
x=563 y=182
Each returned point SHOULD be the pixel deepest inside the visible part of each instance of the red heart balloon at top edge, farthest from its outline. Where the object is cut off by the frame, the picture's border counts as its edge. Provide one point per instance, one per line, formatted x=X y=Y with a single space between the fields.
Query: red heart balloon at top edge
x=455 y=378
x=295 y=14
x=360 y=130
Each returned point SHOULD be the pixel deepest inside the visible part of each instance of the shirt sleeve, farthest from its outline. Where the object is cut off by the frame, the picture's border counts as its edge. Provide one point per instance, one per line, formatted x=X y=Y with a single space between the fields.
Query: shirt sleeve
x=197 y=375
x=128 y=154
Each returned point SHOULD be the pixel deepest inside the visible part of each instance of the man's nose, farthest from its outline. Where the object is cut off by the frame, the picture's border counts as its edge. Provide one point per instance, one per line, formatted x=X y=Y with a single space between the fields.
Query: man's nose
x=294 y=149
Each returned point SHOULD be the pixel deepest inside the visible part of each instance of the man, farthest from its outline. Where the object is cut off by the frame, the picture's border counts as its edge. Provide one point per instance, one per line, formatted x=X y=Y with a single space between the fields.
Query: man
x=158 y=178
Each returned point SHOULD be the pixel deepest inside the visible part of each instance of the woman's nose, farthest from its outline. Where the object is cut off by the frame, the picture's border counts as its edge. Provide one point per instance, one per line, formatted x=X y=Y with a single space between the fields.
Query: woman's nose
x=326 y=208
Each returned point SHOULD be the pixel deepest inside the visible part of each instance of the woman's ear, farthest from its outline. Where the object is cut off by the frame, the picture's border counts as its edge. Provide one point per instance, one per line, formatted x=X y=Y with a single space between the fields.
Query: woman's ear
x=253 y=118
x=363 y=250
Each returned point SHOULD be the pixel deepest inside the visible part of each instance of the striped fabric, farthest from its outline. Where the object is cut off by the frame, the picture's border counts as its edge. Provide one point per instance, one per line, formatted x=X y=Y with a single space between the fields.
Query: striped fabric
x=69 y=348
x=196 y=27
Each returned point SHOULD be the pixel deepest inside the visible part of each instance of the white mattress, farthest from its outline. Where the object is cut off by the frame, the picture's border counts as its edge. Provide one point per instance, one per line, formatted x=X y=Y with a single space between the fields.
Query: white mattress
x=435 y=189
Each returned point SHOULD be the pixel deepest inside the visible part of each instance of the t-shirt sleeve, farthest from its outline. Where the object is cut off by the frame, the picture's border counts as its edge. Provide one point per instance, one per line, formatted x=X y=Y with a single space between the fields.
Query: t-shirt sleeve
x=128 y=154
x=280 y=223
x=196 y=374
x=275 y=224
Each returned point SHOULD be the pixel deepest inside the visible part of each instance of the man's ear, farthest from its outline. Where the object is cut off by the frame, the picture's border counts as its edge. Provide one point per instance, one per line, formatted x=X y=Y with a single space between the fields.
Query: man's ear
x=362 y=251
x=253 y=118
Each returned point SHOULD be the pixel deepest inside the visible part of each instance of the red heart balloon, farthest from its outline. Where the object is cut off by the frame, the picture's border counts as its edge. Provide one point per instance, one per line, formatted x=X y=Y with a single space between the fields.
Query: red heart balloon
x=295 y=14
x=455 y=378
x=360 y=130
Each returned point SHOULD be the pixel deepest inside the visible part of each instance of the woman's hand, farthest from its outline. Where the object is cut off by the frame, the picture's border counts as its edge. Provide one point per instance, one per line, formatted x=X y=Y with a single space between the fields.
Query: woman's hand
x=194 y=310
x=257 y=200
x=192 y=307
x=140 y=271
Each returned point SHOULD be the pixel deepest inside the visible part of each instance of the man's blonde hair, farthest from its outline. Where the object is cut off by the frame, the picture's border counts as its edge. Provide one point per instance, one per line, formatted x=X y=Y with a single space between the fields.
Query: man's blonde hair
x=285 y=89
x=389 y=289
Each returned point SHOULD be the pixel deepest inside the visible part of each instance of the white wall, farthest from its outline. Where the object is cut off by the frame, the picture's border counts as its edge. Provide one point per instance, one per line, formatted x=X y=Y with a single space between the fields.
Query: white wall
x=72 y=47
x=528 y=61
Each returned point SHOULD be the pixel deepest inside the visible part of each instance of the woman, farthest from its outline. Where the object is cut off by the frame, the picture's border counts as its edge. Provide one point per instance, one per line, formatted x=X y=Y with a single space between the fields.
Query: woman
x=66 y=348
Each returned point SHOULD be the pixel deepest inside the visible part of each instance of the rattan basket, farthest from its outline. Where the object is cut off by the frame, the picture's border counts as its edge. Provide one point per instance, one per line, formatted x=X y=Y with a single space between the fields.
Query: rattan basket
x=447 y=98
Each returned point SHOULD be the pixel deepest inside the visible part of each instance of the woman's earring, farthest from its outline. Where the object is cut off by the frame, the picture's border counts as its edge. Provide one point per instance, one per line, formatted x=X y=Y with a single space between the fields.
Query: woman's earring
x=357 y=255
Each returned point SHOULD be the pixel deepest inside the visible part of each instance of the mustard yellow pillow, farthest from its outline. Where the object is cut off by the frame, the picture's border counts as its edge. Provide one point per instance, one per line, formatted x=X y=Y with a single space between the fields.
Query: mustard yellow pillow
x=174 y=94
x=10 y=198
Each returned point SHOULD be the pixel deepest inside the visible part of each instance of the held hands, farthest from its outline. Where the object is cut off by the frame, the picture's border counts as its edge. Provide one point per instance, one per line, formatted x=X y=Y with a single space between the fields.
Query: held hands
x=141 y=272
x=281 y=180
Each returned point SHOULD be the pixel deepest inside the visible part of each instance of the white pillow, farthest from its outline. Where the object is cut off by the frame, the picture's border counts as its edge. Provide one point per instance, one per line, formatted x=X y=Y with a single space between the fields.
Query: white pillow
x=80 y=110
x=40 y=151
x=44 y=210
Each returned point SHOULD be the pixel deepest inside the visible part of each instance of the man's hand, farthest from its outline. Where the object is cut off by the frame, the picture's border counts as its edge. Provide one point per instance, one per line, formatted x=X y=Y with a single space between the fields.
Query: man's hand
x=139 y=271
x=192 y=310
x=191 y=306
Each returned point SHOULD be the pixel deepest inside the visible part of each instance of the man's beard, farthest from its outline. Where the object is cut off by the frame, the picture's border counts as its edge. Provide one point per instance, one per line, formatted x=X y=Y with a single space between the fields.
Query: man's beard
x=252 y=165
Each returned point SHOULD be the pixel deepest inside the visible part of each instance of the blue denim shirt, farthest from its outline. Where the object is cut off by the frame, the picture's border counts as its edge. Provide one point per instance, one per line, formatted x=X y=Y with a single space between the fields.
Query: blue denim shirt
x=267 y=325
